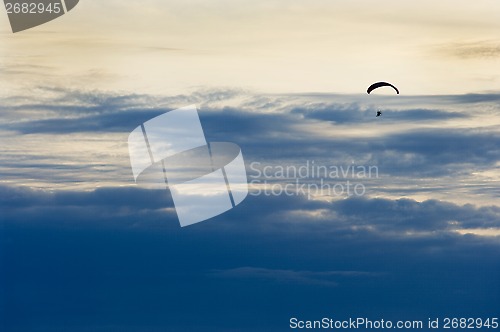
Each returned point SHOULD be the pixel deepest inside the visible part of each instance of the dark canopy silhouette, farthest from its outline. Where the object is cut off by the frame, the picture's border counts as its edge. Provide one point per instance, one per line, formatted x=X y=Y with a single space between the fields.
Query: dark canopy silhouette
x=379 y=85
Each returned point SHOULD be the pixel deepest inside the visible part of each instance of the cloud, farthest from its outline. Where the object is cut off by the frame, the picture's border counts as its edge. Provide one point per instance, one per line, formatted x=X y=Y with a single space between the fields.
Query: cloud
x=473 y=50
x=384 y=218
x=117 y=252
x=103 y=207
x=319 y=278
x=471 y=98
x=72 y=111
x=433 y=152
x=421 y=142
x=353 y=114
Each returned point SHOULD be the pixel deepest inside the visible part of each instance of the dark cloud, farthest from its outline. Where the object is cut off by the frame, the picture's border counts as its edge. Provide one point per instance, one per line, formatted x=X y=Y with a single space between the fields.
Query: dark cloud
x=421 y=152
x=437 y=152
x=83 y=112
x=353 y=114
x=319 y=278
x=119 y=121
x=13 y=197
x=89 y=113
x=278 y=135
x=405 y=215
x=80 y=261
x=471 y=98
x=377 y=216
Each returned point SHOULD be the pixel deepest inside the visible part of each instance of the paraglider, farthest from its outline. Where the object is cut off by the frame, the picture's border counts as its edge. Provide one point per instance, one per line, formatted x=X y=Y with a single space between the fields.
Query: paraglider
x=379 y=85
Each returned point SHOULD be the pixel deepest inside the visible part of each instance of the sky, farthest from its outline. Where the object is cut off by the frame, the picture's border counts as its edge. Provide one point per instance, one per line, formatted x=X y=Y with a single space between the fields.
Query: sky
x=165 y=47
x=85 y=248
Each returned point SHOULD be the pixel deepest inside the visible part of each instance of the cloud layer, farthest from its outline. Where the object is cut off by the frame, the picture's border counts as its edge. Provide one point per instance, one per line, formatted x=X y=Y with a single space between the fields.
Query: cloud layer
x=86 y=248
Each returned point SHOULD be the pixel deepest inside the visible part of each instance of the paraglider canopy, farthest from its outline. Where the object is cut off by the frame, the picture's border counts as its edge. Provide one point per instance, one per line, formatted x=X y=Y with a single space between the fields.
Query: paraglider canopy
x=379 y=85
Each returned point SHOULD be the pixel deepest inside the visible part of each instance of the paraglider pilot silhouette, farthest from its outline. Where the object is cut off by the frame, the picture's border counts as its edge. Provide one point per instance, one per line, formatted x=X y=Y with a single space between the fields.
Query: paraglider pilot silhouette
x=379 y=85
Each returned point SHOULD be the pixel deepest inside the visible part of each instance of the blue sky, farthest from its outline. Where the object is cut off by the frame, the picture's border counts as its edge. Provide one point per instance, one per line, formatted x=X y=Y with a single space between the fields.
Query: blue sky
x=83 y=248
